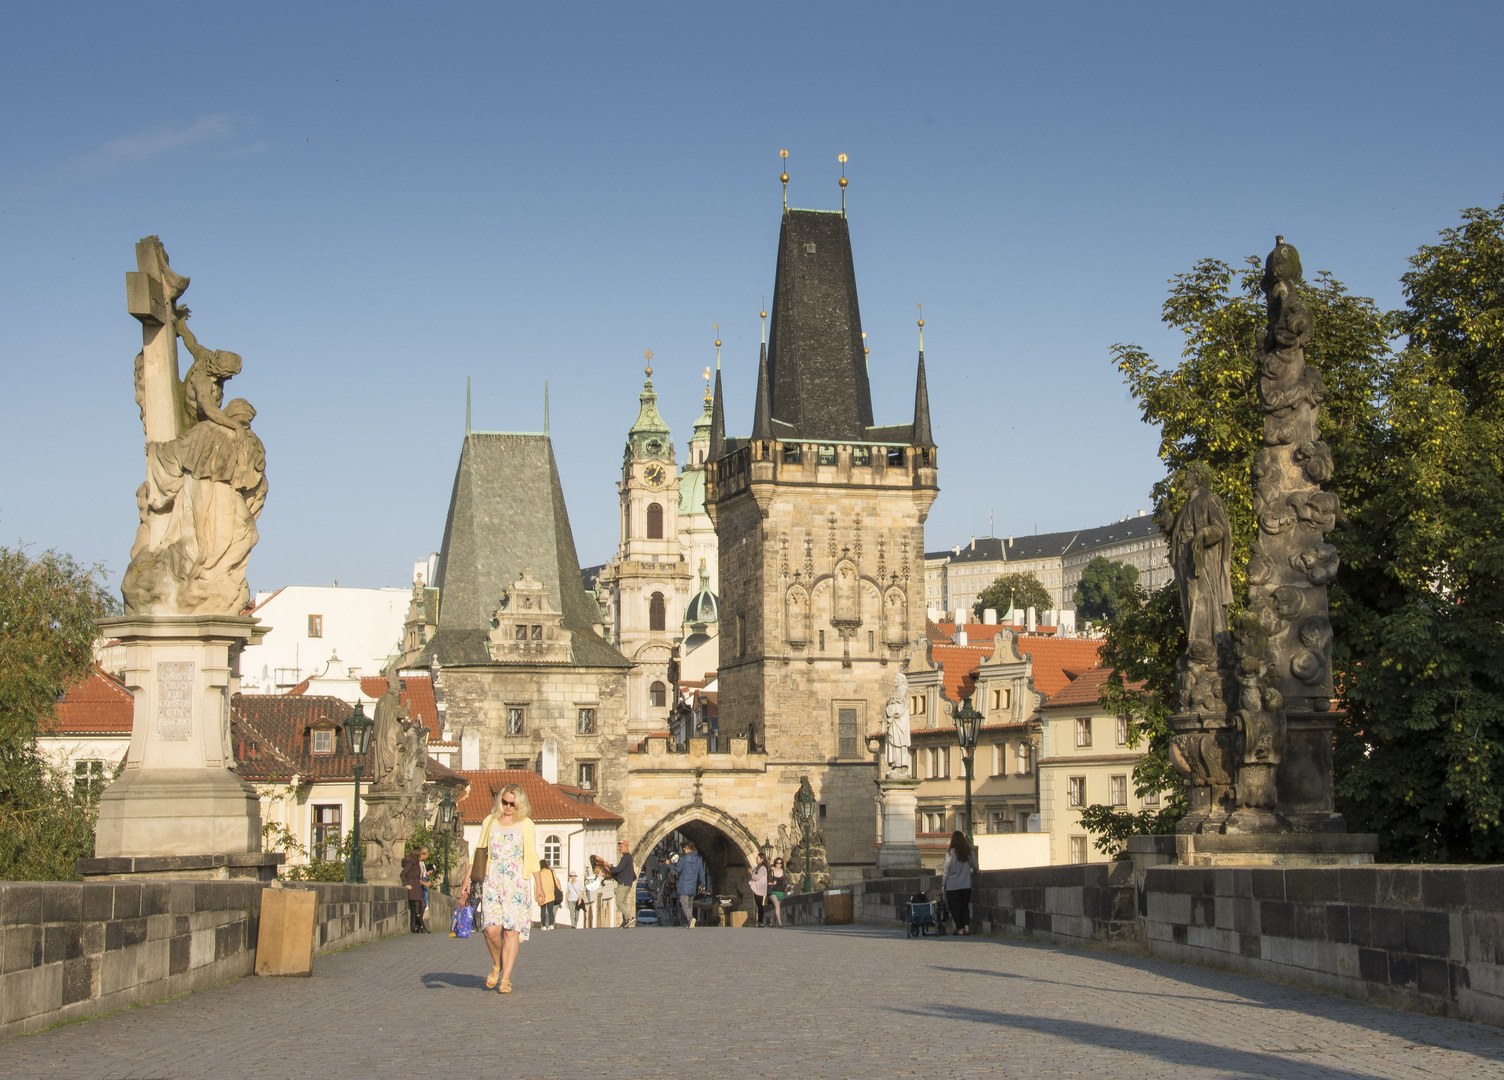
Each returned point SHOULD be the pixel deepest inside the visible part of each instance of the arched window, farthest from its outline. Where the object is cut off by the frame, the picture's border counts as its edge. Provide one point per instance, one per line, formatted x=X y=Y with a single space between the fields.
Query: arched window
x=551 y=850
x=656 y=611
x=658 y=695
x=655 y=522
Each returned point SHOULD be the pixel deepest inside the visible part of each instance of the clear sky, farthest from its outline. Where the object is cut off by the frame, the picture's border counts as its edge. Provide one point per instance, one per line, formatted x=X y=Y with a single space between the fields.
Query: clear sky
x=375 y=201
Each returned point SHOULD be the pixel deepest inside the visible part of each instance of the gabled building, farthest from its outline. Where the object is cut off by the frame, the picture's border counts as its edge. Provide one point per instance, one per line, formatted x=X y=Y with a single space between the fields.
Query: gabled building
x=90 y=732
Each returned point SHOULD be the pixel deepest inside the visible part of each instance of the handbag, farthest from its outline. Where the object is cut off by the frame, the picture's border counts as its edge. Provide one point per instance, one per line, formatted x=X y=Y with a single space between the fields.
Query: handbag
x=482 y=852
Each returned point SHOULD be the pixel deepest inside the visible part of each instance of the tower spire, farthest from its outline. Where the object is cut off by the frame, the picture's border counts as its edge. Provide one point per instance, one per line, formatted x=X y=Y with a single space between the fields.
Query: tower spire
x=717 y=421
x=762 y=427
x=922 y=434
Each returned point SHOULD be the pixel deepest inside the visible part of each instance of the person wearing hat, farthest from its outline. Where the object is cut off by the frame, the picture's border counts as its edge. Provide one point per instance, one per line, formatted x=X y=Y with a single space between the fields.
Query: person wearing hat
x=626 y=885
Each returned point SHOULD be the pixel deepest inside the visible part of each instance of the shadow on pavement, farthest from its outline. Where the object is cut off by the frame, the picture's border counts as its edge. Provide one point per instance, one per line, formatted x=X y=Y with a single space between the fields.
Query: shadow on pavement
x=437 y=980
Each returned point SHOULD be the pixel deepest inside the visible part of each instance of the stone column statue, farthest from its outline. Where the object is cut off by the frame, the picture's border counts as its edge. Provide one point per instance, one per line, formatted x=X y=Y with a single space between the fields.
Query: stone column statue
x=396 y=802
x=896 y=721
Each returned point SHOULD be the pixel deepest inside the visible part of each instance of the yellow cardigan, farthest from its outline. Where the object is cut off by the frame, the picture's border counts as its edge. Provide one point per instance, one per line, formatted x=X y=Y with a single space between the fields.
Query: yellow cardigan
x=529 y=842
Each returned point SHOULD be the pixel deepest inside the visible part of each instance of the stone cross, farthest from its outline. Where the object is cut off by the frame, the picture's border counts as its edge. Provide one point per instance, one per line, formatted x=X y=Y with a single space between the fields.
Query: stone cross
x=150 y=291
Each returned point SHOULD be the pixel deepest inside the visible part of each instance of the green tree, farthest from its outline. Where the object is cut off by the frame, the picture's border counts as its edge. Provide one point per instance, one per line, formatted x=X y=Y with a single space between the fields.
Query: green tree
x=1419 y=600
x=1020 y=591
x=1104 y=584
x=1206 y=409
x=48 y=606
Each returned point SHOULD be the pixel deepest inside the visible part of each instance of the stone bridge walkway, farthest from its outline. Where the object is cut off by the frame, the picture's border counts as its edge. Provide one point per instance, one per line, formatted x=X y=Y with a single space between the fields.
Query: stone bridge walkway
x=857 y=1002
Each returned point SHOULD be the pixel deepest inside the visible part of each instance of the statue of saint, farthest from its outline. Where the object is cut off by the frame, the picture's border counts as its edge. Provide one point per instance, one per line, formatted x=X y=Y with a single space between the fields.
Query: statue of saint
x=896 y=721
x=389 y=742
x=1201 y=549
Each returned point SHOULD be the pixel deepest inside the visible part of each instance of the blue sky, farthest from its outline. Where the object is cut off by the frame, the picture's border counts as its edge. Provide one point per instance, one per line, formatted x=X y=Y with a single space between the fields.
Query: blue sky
x=376 y=201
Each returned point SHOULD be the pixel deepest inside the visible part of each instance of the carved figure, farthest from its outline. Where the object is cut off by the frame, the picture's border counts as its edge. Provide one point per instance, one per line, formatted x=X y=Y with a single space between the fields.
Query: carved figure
x=896 y=719
x=389 y=724
x=1201 y=547
x=205 y=469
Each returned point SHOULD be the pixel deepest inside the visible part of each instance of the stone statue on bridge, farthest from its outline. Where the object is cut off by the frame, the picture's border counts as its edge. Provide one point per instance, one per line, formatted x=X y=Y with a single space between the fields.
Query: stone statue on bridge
x=896 y=721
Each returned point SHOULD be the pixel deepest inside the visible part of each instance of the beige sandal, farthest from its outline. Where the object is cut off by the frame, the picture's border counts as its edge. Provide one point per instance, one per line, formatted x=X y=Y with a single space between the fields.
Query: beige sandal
x=491 y=979
x=504 y=987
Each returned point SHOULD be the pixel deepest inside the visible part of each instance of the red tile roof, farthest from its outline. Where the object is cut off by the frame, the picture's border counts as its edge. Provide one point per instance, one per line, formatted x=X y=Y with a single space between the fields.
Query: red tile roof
x=958 y=664
x=1084 y=689
x=417 y=695
x=1055 y=662
x=550 y=802
x=98 y=704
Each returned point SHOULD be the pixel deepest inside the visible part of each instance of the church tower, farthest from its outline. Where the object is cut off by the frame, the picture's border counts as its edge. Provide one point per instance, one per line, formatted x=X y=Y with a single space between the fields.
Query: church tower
x=649 y=580
x=819 y=516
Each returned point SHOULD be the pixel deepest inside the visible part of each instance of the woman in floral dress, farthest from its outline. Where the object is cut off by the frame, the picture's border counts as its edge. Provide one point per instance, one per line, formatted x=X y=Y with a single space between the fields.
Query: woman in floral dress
x=512 y=883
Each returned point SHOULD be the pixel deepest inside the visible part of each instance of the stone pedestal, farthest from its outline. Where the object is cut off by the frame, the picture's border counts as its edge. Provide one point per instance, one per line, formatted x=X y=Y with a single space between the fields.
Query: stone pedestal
x=385 y=829
x=898 y=851
x=179 y=797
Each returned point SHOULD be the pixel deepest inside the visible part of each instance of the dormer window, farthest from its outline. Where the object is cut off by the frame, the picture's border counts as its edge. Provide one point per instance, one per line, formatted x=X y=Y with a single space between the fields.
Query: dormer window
x=323 y=740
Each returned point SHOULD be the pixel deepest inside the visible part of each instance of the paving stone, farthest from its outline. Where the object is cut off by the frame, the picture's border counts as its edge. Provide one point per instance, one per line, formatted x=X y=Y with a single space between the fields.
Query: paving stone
x=860 y=1002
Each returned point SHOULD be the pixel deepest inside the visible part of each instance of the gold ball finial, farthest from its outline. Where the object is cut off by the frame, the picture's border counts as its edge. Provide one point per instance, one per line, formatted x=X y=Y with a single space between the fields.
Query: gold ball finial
x=921 y=324
x=717 y=343
x=784 y=177
x=843 y=181
x=841 y=158
x=647 y=354
x=783 y=153
x=764 y=314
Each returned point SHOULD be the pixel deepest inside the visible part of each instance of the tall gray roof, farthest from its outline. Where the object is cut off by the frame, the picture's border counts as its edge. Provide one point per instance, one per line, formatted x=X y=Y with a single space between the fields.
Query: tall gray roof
x=817 y=371
x=1047 y=545
x=507 y=514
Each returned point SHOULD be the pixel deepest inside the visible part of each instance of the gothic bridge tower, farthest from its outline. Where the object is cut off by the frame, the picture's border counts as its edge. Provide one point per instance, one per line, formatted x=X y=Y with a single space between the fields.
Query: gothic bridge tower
x=819 y=516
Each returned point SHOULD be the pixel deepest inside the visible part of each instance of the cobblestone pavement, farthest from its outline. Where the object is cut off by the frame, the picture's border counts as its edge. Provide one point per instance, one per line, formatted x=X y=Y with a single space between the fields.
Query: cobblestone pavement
x=858 y=1002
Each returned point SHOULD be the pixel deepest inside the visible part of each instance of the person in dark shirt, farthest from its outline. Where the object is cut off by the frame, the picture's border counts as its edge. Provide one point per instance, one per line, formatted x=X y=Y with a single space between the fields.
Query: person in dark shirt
x=626 y=885
x=692 y=879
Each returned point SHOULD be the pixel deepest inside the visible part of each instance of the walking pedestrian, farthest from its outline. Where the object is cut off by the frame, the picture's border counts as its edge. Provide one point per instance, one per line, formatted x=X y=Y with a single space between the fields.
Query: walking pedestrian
x=777 y=884
x=692 y=882
x=574 y=897
x=759 y=876
x=625 y=875
x=955 y=878
x=593 y=886
x=510 y=885
x=549 y=905
x=411 y=878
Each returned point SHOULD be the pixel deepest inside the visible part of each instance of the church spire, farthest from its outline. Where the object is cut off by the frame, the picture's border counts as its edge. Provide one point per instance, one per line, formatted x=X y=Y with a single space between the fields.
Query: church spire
x=922 y=434
x=717 y=420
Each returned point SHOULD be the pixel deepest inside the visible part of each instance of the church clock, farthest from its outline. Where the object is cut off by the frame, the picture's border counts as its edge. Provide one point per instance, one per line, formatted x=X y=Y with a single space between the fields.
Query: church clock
x=654 y=474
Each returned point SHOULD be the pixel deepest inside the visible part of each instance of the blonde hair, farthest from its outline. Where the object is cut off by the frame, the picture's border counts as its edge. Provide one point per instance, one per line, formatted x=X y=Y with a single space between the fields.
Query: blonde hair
x=524 y=808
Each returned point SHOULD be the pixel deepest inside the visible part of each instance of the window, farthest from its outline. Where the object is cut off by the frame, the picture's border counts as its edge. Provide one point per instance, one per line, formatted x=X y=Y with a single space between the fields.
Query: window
x=587 y=776
x=1122 y=731
x=315 y=626
x=521 y=632
x=861 y=455
x=822 y=810
x=1075 y=790
x=871 y=641
x=939 y=763
x=656 y=611
x=585 y=722
x=552 y=850
x=916 y=704
x=1151 y=799
x=1083 y=731
x=793 y=454
x=1002 y=698
x=1119 y=788
x=827 y=455
x=516 y=720
x=1023 y=758
x=895 y=455
x=822 y=640
x=657 y=695
x=88 y=780
x=520 y=763
x=1078 y=849
x=846 y=732
x=323 y=741
x=326 y=832
x=741 y=636
x=655 y=522
x=1001 y=822
x=537 y=632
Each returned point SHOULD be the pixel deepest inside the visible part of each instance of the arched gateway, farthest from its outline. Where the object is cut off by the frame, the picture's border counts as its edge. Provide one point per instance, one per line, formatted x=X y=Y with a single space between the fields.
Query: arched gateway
x=728 y=848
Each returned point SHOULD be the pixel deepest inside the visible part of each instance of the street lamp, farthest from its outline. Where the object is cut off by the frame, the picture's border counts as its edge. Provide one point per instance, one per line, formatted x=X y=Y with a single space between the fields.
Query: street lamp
x=968 y=725
x=358 y=728
x=804 y=810
x=446 y=825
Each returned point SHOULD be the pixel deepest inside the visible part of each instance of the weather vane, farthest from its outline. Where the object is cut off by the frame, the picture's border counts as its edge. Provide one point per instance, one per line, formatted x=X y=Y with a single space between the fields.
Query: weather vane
x=842 y=159
x=647 y=354
x=921 y=326
x=785 y=178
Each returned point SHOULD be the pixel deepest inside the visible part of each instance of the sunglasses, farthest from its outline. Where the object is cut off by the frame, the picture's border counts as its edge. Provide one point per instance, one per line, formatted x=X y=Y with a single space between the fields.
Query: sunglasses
x=504 y=802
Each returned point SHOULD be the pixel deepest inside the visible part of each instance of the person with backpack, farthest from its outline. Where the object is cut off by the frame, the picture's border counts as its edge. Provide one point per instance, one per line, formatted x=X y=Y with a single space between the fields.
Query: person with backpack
x=549 y=906
x=692 y=882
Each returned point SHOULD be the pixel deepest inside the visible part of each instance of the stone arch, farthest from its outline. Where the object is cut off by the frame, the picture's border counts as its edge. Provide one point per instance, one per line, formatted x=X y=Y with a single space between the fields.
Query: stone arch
x=796 y=615
x=895 y=617
x=847 y=604
x=655 y=521
x=690 y=813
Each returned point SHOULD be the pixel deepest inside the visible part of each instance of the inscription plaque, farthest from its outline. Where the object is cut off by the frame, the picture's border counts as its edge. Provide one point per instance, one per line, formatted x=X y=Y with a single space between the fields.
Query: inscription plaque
x=174 y=700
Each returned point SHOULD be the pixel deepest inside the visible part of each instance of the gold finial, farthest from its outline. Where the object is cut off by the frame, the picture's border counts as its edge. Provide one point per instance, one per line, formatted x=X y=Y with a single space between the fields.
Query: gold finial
x=921 y=326
x=647 y=354
x=842 y=159
x=764 y=317
x=784 y=154
x=707 y=384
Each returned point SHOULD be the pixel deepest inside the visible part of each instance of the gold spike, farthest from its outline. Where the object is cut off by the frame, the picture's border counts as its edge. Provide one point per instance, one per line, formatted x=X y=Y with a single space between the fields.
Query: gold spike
x=921 y=326
x=784 y=154
x=842 y=159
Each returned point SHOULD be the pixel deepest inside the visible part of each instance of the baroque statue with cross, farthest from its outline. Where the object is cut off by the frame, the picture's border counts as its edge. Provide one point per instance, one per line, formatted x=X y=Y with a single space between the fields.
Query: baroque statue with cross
x=205 y=469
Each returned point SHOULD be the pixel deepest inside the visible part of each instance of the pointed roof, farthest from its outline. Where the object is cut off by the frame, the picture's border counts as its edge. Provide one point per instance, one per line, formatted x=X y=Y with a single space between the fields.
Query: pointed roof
x=762 y=413
x=817 y=386
x=922 y=435
x=506 y=515
x=649 y=435
x=717 y=421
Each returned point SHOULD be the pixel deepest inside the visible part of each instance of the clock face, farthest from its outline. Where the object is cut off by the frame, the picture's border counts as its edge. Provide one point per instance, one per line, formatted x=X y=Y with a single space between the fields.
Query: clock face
x=654 y=474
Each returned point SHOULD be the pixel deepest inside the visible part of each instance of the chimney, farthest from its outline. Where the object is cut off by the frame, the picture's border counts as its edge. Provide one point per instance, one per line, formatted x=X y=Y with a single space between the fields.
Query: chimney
x=973 y=543
x=1010 y=541
x=989 y=617
x=1029 y=624
x=1143 y=513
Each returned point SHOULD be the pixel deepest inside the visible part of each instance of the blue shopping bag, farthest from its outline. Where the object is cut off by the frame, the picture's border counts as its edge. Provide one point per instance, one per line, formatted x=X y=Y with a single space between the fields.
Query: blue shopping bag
x=464 y=920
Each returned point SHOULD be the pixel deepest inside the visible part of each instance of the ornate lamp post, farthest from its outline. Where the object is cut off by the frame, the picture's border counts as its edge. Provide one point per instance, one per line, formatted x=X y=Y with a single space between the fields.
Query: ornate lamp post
x=358 y=728
x=968 y=725
x=804 y=810
x=446 y=828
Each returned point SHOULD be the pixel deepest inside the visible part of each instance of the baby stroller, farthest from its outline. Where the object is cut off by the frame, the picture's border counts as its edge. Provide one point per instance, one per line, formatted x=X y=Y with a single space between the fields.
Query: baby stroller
x=926 y=915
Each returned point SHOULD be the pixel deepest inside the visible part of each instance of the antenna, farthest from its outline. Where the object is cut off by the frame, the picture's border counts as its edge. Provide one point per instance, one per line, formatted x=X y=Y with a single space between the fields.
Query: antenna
x=842 y=159
x=785 y=178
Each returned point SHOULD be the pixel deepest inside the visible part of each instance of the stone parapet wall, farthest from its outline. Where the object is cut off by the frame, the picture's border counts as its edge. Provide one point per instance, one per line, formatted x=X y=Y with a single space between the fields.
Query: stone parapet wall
x=1428 y=937
x=74 y=949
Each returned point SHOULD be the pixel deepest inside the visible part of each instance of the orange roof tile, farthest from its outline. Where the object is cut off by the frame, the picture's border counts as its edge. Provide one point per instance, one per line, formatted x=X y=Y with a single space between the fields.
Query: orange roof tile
x=1054 y=657
x=98 y=704
x=550 y=802
x=417 y=695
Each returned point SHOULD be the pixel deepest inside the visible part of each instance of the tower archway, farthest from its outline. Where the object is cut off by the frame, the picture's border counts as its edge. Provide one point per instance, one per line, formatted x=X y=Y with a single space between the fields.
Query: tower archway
x=726 y=845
